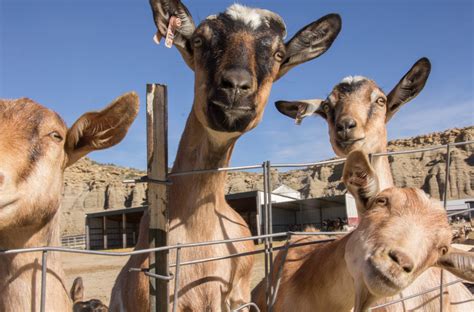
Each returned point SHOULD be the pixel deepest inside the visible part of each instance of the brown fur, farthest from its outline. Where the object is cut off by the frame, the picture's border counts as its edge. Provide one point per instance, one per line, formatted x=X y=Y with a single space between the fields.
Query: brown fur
x=35 y=151
x=222 y=111
x=338 y=275
x=361 y=105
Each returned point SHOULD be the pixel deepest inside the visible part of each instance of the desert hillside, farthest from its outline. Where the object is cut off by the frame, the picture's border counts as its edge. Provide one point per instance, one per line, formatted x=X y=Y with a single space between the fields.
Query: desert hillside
x=90 y=186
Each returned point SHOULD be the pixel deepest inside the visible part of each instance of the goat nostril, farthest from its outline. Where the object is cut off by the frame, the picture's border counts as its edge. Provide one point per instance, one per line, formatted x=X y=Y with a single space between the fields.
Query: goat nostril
x=227 y=84
x=237 y=79
x=2 y=179
x=402 y=260
x=346 y=124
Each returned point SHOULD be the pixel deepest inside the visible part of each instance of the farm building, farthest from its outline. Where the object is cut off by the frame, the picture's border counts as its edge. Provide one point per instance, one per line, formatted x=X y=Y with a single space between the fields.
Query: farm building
x=119 y=228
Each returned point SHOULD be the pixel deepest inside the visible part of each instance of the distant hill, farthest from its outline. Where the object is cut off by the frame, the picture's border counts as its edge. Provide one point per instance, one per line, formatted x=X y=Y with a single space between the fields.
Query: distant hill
x=90 y=186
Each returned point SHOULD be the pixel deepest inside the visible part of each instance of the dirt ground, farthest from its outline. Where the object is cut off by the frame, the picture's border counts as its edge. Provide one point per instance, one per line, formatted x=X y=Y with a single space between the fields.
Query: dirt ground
x=99 y=272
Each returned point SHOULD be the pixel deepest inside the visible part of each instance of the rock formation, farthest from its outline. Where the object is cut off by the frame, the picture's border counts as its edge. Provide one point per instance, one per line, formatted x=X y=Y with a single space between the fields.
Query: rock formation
x=91 y=187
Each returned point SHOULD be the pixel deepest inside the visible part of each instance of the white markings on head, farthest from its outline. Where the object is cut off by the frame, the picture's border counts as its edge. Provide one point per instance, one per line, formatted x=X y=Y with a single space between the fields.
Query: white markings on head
x=211 y=17
x=353 y=79
x=254 y=17
x=249 y=16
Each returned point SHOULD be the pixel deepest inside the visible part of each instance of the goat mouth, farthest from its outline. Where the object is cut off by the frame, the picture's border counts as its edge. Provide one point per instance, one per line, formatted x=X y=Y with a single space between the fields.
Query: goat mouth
x=232 y=108
x=230 y=118
x=350 y=142
x=388 y=276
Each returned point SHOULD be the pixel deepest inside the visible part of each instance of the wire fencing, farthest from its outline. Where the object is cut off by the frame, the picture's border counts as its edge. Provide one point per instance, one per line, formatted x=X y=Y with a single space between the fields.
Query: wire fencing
x=272 y=287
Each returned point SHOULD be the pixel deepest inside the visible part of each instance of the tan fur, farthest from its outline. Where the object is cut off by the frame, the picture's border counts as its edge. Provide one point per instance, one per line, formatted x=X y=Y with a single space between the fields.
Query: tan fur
x=233 y=79
x=34 y=153
x=356 y=105
x=339 y=275
x=371 y=129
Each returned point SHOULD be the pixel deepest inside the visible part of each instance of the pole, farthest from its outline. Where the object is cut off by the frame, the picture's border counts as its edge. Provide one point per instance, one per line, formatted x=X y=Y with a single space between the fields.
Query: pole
x=44 y=270
x=157 y=157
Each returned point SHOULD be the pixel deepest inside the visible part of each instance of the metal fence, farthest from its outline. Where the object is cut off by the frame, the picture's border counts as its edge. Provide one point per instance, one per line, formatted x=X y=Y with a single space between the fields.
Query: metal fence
x=268 y=237
x=74 y=241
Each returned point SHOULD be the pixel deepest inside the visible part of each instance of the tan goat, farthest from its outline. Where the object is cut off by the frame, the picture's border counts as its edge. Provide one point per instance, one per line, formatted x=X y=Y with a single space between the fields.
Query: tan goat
x=35 y=148
x=236 y=56
x=401 y=233
x=356 y=112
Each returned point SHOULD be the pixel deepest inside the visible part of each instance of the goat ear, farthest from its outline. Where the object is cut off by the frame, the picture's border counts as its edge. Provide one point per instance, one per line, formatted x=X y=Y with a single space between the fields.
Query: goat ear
x=103 y=129
x=360 y=179
x=310 y=42
x=458 y=262
x=298 y=109
x=162 y=12
x=77 y=290
x=409 y=86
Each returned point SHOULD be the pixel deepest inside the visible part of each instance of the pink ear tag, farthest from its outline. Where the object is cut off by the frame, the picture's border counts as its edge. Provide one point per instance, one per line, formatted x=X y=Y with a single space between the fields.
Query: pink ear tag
x=174 y=23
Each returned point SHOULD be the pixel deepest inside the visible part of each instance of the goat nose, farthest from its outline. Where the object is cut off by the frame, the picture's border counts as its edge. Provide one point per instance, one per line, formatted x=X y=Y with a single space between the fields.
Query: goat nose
x=2 y=179
x=346 y=124
x=237 y=79
x=401 y=259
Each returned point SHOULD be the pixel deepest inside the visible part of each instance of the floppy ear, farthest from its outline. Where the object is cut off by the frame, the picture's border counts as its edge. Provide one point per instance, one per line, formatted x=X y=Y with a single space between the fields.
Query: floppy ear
x=298 y=109
x=77 y=290
x=409 y=86
x=310 y=42
x=458 y=262
x=100 y=130
x=360 y=179
x=162 y=11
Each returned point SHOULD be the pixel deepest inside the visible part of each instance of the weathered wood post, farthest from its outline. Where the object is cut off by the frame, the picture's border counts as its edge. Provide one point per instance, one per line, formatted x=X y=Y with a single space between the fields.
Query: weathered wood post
x=157 y=156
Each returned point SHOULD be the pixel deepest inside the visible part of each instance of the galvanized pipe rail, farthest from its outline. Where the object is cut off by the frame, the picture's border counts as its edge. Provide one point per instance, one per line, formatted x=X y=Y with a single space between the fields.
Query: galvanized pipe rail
x=268 y=236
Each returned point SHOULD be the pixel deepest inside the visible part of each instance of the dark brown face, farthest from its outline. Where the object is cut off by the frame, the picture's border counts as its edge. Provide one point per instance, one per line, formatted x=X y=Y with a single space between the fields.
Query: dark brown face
x=355 y=112
x=237 y=55
x=235 y=64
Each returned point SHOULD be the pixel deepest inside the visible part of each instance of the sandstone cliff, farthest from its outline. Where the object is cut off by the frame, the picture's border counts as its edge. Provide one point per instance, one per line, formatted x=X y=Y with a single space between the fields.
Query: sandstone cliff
x=90 y=186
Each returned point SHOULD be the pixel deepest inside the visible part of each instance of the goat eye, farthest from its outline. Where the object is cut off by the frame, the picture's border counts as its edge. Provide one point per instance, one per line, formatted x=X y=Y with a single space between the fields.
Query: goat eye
x=197 y=42
x=381 y=101
x=56 y=136
x=382 y=201
x=279 y=56
x=326 y=108
x=443 y=250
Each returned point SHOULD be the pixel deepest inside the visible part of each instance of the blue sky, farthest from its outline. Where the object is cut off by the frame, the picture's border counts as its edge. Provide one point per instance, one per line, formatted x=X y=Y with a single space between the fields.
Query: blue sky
x=77 y=55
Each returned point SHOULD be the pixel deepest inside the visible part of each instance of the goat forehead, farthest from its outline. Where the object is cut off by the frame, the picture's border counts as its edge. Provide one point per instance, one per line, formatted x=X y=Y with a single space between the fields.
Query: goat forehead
x=414 y=203
x=256 y=18
x=25 y=115
x=351 y=85
x=248 y=16
x=242 y=18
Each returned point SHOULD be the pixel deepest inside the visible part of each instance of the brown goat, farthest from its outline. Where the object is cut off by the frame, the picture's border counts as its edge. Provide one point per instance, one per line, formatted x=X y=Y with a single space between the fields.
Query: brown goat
x=35 y=148
x=401 y=234
x=357 y=112
x=236 y=56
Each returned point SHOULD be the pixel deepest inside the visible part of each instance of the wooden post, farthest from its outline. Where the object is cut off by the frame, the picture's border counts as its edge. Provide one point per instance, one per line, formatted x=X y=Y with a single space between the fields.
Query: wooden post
x=124 y=231
x=157 y=148
x=104 y=226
